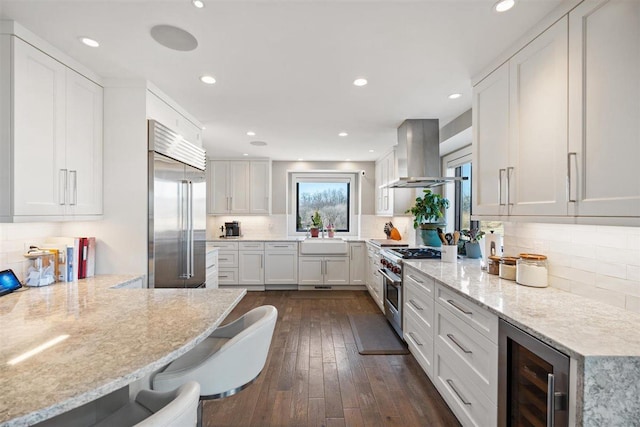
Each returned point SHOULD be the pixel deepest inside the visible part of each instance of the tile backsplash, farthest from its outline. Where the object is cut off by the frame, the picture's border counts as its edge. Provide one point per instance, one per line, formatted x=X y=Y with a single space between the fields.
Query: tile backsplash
x=598 y=262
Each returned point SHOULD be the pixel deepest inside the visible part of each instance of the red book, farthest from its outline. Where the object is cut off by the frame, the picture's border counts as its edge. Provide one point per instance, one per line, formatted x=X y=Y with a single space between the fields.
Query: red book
x=84 y=250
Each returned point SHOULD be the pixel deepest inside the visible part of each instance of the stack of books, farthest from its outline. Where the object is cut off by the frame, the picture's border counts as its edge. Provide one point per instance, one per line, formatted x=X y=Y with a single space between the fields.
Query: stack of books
x=76 y=257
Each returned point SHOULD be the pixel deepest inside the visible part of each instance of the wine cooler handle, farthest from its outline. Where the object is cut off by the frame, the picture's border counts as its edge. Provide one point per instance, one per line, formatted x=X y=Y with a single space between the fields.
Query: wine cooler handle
x=551 y=401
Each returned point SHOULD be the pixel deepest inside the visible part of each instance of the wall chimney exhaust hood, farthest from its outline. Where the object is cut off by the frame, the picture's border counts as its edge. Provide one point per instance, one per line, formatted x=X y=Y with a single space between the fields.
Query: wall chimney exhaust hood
x=418 y=156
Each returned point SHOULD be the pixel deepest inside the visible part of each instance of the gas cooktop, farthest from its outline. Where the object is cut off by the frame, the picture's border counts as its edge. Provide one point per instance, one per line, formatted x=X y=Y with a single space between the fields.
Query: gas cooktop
x=415 y=253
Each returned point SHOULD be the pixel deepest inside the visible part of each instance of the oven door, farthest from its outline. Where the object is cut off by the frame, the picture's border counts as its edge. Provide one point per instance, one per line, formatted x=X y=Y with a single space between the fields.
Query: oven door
x=392 y=287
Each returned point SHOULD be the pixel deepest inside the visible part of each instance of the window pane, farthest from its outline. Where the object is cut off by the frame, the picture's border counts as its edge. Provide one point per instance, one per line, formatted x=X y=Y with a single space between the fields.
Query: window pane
x=331 y=199
x=465 y=197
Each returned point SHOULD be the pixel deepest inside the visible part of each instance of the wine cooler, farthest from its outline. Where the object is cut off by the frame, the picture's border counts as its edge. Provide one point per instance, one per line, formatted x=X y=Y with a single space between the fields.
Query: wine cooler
x=533 y=381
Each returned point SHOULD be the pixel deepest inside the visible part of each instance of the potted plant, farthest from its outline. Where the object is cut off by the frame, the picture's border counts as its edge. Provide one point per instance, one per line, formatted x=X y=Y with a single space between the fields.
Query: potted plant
x=428 y=213
x=472 y=243
x=316 y=223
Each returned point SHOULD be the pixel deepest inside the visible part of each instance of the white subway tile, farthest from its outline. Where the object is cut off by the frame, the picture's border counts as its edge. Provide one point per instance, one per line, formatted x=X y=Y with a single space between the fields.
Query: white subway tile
x=561 y=247
x=633 y=273
x=602 y=295
x=611 y=269
x=622 y=286
x=559 y=259
x=616 y=255
x=568 y=273
x=633 y=242
x=584 y=250
x=584 y=264
x=560 y=283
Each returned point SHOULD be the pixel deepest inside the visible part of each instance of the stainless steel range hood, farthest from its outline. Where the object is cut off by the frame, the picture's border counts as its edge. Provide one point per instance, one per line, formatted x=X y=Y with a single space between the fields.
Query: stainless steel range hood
x=418 y=155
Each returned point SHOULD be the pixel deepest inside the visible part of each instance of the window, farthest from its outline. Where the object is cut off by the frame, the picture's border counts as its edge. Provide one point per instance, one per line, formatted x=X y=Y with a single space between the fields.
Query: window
x=335 y=195
x=330 y=199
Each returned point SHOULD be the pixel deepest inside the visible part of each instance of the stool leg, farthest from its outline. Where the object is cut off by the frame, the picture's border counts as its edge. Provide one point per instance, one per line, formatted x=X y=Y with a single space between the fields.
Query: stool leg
x=199 y=422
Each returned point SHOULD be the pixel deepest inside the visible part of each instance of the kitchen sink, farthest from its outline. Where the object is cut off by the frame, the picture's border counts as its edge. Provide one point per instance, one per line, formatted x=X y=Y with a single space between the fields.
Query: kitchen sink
x=319 y=246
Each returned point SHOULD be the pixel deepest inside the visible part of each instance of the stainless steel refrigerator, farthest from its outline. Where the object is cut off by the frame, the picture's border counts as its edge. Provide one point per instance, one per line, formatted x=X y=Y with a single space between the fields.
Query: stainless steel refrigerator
x=177 y=210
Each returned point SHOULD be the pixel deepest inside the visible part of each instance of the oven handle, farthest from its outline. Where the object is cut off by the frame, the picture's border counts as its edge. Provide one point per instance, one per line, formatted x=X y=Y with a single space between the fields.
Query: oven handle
x=394 y=282
x=551 y=407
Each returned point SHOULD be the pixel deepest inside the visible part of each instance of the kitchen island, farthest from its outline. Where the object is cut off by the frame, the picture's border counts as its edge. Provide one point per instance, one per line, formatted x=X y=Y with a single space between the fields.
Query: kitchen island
x=602 y=341
x=68 y=344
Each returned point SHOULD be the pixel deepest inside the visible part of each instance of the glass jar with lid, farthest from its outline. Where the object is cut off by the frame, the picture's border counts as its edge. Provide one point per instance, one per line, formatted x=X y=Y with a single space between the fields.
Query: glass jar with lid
x=532 y=270
x=493 y=265
x=508 y=267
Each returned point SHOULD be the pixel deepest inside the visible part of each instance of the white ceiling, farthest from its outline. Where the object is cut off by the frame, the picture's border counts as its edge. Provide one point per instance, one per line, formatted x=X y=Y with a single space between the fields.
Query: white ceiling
x=285 y=69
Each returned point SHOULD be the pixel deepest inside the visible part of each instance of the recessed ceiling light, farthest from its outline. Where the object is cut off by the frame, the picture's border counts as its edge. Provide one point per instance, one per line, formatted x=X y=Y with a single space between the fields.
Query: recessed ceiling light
x=198 y=3
x=360 y=81
x=371 y=151
x=300 y=160
x=455 y=95
x=347 y=160
x=245 y=154
x=208 y=80
x=343 y=134
x=504 y=5
x=89 y=42
x=251 y=133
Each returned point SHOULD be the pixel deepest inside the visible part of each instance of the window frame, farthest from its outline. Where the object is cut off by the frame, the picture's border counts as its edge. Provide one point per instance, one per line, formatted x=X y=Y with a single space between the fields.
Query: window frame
x=452 y=191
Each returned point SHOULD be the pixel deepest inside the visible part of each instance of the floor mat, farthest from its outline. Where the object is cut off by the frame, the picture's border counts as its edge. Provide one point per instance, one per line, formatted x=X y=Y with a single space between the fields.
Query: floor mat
x=374 y=335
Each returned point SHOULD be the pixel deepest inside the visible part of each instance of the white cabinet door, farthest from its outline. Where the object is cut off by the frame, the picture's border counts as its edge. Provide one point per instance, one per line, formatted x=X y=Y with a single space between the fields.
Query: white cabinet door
x=311 y=270
x=40 y=175
x=490 y=141
x=251 y=268
x=218 y=187
x=260 y=188
x=604 y=108
x=378 y=183
x=281 y=267
x=357 y=263
x=84 y=145
x=336 y=271
x=239 y=185
x=536 y=174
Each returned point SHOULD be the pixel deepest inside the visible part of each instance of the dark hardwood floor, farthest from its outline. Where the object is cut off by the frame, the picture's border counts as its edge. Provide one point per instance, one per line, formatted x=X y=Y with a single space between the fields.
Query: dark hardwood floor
x=314 y=375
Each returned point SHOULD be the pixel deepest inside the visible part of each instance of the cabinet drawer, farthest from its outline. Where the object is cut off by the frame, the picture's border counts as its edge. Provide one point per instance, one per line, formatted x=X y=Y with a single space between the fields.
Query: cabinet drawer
x=228 y=276
x=233 y=246
x=281 y=246
x=251 y=246
x=419 y=299
x=228 y=259
x=477 y=317
x=475 y=357
x=469 y=404
x=425 y=282
x=419 y=338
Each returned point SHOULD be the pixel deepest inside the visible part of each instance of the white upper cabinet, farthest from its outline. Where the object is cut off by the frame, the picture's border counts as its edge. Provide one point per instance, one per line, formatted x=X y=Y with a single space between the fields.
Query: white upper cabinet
x=239 y=187
x=604 y=108
x=490 y=143
x=162 y=111
x=536 y=174
x=56 y=116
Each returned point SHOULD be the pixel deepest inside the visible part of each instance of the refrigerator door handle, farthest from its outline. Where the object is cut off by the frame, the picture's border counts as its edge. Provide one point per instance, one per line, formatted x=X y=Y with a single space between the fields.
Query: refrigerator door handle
x=191 y=232
x=184 y=227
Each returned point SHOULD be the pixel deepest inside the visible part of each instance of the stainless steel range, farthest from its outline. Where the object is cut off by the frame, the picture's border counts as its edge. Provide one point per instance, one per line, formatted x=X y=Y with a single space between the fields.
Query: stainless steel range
x=391 y=272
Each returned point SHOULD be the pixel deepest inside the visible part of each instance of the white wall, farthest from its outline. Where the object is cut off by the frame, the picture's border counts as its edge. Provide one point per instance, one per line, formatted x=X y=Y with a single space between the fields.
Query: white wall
x=598 y=262
x=15 y=240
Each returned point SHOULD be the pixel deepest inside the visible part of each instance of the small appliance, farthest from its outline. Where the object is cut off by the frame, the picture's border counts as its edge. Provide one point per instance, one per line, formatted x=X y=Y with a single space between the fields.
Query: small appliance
x=232 y=229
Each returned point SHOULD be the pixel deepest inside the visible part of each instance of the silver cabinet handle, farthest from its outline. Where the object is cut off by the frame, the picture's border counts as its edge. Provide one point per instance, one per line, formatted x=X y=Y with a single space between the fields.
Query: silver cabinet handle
x=455 y=390
x=453 y=303
x=413 y=337
x=192 y=245
x=455 y=341
x=62 y=186
x=222 y=276
x=575 y=156
x=416 y=279
x=75 y=186
x=500 y=172
x=350 y=254
x=261 y=262
x=413 y=303
x=551 y=401
x=280 y=246
x=509 y=170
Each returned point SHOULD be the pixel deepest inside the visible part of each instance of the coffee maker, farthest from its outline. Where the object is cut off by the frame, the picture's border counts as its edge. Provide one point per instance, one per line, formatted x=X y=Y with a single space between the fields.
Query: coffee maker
x=232 y=229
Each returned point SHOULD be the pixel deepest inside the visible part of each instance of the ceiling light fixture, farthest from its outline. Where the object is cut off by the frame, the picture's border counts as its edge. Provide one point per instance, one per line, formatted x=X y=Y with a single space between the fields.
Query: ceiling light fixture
x=371 y=151
x=208 y=80
x=343 y=134
x=300 y=160
x=198 y=3
x=360 y=81
x=89 y=42
x=245 y=154
x=251 y=133
x=347 y=160
x=504 y=5
x=455 y=95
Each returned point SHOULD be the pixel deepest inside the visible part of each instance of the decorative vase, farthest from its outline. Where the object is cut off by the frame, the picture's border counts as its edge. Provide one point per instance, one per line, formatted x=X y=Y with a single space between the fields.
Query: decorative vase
x=331 y=232
x=430 y=237
x=473 y=249
x=314 y=231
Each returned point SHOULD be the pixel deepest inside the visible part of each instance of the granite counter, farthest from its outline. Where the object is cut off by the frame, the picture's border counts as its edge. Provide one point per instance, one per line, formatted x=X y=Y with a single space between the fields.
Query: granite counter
x=68 y=344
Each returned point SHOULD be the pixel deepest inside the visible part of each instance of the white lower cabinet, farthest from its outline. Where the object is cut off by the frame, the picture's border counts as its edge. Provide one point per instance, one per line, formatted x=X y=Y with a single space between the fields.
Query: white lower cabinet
x=357 y=263
x=455 y=341
x=227 y=262
x=211 y=262
x=322 y=272
x=374 y=280
x=251 y=265
x=280 y=264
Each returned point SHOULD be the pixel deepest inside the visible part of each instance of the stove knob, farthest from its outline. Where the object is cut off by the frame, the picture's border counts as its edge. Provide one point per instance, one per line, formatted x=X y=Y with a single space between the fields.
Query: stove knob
x=383 y=262
x=396 y=270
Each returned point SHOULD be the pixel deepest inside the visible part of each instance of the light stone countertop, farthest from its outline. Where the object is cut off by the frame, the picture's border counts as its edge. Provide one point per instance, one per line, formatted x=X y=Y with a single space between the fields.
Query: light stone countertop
x=108 y=339
x=575 y=325
x=603 y=340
